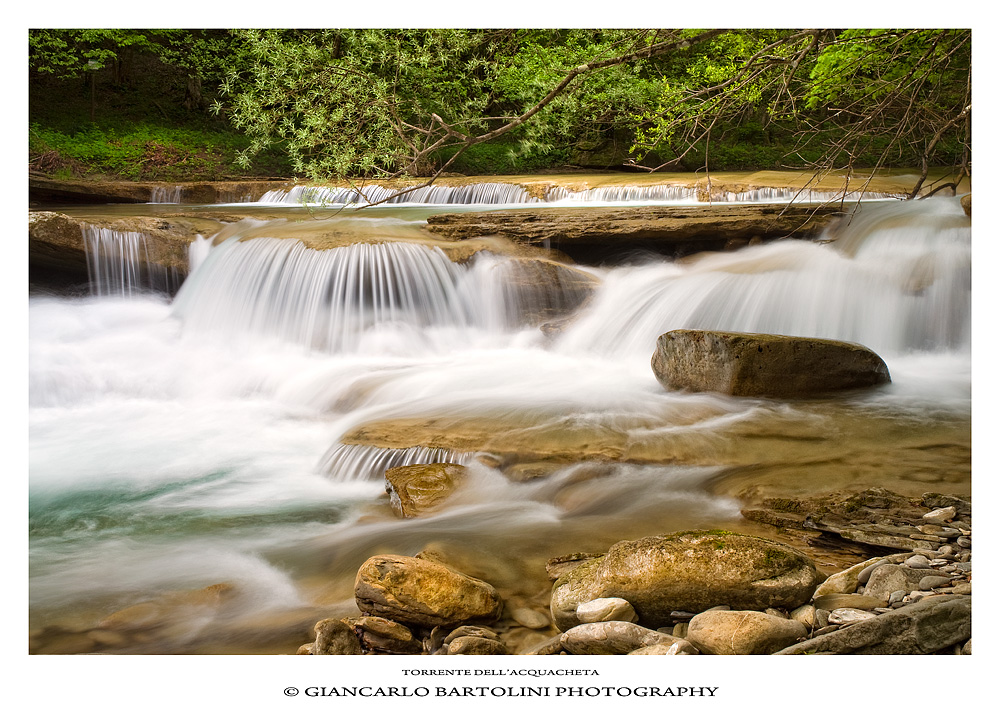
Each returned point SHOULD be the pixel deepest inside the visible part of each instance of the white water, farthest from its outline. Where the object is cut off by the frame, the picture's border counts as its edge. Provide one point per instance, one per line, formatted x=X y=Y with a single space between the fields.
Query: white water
x=178 y=445
x=510 y=194
x=119 y=264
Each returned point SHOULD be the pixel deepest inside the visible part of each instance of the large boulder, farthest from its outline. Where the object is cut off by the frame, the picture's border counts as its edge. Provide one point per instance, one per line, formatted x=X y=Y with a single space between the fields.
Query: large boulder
x=763 y=364
x=416 y=489
x=423 y=593
x=688 y=571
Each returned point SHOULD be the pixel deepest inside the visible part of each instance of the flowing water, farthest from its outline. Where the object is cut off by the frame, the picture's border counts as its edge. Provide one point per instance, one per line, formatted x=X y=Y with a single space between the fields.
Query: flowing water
x=237 y=433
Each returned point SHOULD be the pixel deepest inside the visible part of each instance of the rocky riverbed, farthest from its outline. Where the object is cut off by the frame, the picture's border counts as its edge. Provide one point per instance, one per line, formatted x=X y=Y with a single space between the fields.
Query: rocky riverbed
x=700 y=592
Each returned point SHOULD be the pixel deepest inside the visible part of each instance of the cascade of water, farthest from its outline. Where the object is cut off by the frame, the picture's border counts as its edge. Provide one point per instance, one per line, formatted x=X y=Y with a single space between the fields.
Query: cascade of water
x=324 y=299
x=625 y=194
x=119 y=265
x=507 y=193
x=904 y=286
x=163 y=194
x=473 y=194
x=329 y=299
x=780 y=195
x=361 y=462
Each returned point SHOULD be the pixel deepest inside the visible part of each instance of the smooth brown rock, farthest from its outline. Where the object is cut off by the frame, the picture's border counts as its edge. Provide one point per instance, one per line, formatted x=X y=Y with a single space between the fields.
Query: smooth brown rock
x=334 y=637
x=743 y=364
x=845 y=581
x=476 y=645
x=613 y=638
x=424 y=593
x=742 y=632
x=689 y=571
x=418 y=489
x=384 y=635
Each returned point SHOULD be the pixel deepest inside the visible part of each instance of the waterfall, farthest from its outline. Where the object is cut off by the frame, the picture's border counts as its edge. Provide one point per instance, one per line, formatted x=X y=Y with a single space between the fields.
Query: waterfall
x=512 y=194
x=334 y=300
x=897 y=279
x=361 y=462
x=164 y=194
x=625 y=194
x=119 y=265
x=473 y=194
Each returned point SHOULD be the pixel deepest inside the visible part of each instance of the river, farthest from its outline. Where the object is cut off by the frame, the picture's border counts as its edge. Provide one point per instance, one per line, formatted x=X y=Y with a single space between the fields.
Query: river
x=212 y=437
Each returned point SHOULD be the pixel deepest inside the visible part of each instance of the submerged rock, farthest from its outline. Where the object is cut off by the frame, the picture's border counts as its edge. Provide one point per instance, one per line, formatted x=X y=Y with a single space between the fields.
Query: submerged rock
x=416 y=489
x=763 y=364
x=424 y=593
x=690 y=571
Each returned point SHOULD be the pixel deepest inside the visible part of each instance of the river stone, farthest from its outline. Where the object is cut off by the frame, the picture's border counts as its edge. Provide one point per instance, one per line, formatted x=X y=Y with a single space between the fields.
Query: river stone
x=755 y=365
x=416 y=489
x=606 y=609
x=688 y=571
x=940 y=516
x=846 y=581
x=423 y=593
x=742 y=632
x=848 y=600
x=806 y=615
x=384 y=635
x=530 y=618
x=473 y=631
x=549 y=646
x=887 y=579
x=476 y=645
x=922 y=628
x=662 y=649
x=929 y=582
x=849 y=616
x=613 y=638
x=334 y=637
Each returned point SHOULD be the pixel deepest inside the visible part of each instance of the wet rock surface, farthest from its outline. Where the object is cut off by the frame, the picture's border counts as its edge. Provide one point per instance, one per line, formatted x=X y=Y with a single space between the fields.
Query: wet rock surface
x=592 y=235
x=754 y=365
x=905 y=602
x=690 y=571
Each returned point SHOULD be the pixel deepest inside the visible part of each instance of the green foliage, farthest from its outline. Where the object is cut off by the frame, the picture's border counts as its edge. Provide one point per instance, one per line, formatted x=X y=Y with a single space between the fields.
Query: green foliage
x=380 y=102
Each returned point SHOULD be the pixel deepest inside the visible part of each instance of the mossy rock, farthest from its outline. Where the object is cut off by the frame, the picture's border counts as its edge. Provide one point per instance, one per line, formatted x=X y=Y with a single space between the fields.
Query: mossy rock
x=423 y=593
x=688 y=571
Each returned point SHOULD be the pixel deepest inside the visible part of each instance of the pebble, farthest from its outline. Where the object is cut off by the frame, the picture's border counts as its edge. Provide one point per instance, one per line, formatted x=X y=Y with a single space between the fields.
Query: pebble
x=918 y=561
x=940 y=516
x=896 y=596
x=962 y=589
x=929 y=582
x=849 y=616
x=530 y=618
x=606 y=609
x=866 y=573
x=822 y=617
x=964 y=542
